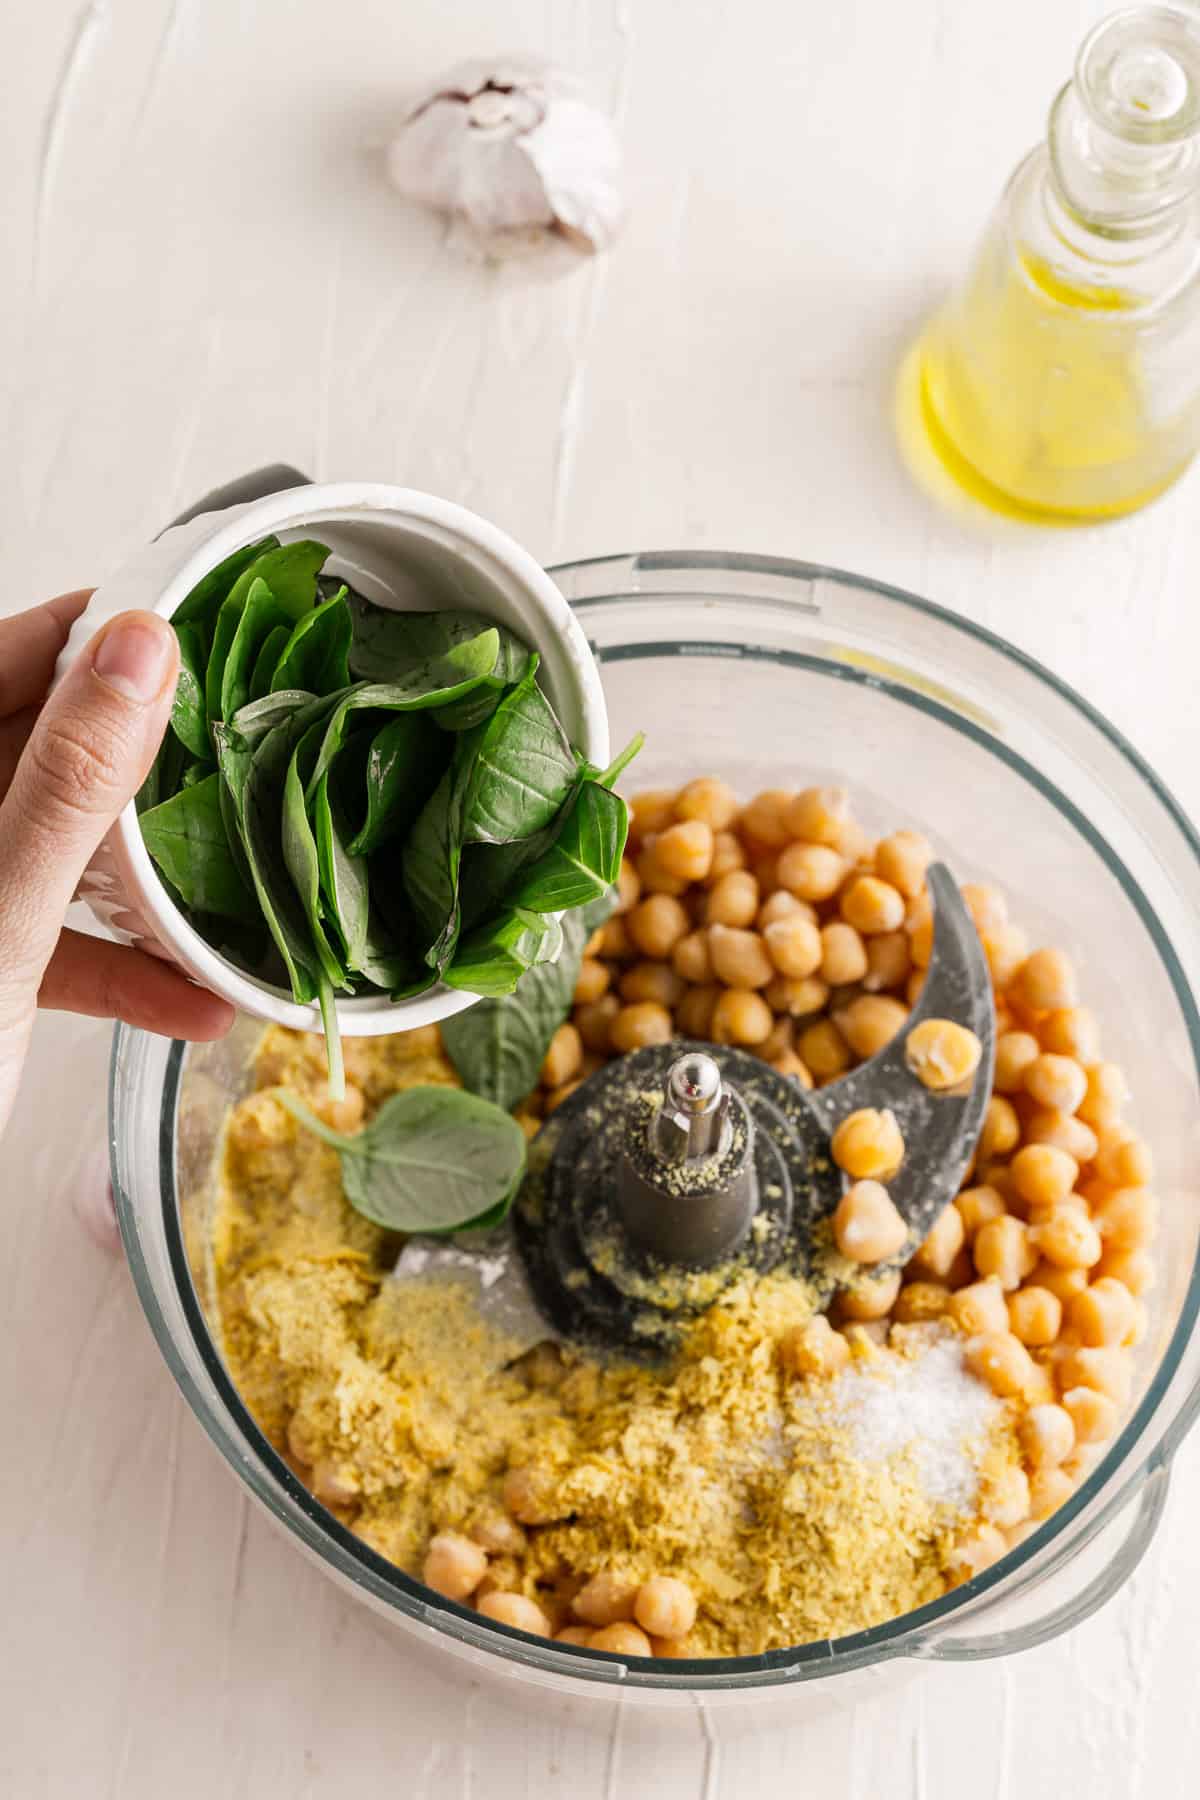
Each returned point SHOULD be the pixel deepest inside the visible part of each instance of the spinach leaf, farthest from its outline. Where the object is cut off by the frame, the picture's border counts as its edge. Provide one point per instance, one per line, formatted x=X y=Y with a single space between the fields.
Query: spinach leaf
x=585 y=858
x=524 y=770
x=315 y=654
x=432 y=1159
x=189 y=721
x=405 y=761
x=202 y=603
x=260 y=616
x=290 y=572
x=186 y=837
x=498 y=1046
x=266 y=660
x=493 y=959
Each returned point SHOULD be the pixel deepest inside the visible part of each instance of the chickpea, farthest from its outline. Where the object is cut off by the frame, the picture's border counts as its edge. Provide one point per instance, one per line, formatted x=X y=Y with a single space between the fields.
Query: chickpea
x=919 y=926
x=652 y=981
x=1134 y=1269
x=685 y=851
x=672 y=1647
x=345 y=1114
x=765 y=870
x=778 y=1041
x=454 y=1566
x=941 y=1054
x=607 y=1599
x=1064 y=1284
x=872 y=1297
x=579 y=1635
x=616 y=945
x=1071 y=1031
x=1068 y=1238
x=783 y=904
x=1008 y=1498
x=1001 y=1130
x=593 y=981
x=733 y=900
x=870 y=1022
x=979 y=1308
x=653 y=877
x=651 y=811
x=799 y=997
x=913 y=986
x=1093 y=1415
x=728 y=855
x=739 y=958
x=1105 y=1368
x=902 y=860
x=518 y=1612
x=824 y=1050
x=1042 y=1175
x=1016 y=1053
x=1045 y=981
x=1035 y=1316
x=794 y=945
x=1047 y=1436
x=495 y=1532
x=868 y=1144
x=942 y=1244
x=763 y=821
x=1002 y=1249
x=691 y=961
x=843 y=955
x=888 y=961
x=629 y=887
x=976 y=1552
x=622 y=1640
x=564 y=1057
x=811 y=871
x=866 y=1225
x=740 y=1017
x=1006 y=948
x=594 y=1022
x=919 y=1301
x=1063 y=1131
x=987 y=906
x=975 y=1206
x=1001 y=1360
x=709 y=799
x=665 y=1607
x=645 y=1022
x=1123 y=1160
x=790 y=1064
x=1126 y=1218
x=817 y=814
x=872 y=906
x=1056 y=1081
x=335 y=1483
x=656 y=925
x=1048 y=1488
x=695 y=1011
x=813 y=1349
x=1103 y=1313
x=556 y=1096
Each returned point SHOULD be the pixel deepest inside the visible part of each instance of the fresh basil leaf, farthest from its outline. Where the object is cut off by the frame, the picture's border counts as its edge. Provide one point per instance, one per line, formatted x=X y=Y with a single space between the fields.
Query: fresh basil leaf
x=189 y=721
x=186 y=837
x=432 y=855
x=260 y=616
x=370 y=950
x=266 y=660
x=476 y=708
x=204 y=601
x=608 y=777
x=196 y=772
x=493 y=959
x=432 y=1158
x=524 y=770
x=315 y=654
x=585 y=858
x=290 y=572
x=405 y=761
x=252 y=722
x=418 y=688
x=300 y=851
x=385 y=643
x=498 y=1046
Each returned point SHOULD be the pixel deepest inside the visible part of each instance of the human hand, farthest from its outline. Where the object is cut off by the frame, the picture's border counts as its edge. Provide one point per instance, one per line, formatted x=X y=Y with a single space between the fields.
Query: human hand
x=68 y=765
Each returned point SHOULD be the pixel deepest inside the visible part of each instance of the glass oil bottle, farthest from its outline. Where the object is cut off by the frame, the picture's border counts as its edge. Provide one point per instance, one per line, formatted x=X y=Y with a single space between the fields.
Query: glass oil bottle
x=1062 y=379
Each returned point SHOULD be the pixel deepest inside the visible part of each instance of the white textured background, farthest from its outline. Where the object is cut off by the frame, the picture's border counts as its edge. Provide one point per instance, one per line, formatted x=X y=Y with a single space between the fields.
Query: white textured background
x=203 y=271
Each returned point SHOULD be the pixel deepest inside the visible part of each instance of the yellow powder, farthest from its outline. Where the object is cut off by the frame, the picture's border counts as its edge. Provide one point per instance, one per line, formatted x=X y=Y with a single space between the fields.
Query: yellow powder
x=717 y=1467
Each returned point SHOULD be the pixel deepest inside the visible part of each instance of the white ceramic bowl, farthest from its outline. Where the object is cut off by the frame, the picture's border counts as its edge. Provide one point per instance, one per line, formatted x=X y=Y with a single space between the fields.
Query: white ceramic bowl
x=401 y=549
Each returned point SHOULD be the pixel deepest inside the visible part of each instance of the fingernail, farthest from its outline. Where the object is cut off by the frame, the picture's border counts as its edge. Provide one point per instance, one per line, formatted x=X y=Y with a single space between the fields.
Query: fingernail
x=134 y=657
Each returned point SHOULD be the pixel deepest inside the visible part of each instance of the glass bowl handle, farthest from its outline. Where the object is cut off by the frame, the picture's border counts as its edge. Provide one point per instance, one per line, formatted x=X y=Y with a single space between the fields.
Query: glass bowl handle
x=1081 y=1606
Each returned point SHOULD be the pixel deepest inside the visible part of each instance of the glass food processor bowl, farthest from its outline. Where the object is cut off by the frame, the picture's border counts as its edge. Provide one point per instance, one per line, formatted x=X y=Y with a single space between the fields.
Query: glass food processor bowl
x=774 y=673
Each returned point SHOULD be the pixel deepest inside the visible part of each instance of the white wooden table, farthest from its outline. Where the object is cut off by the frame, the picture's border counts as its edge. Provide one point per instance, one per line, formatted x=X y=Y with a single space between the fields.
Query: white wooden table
x=205 y=271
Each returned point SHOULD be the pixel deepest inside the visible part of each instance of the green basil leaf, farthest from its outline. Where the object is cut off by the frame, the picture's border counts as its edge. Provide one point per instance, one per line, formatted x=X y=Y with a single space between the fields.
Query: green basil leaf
x=195 y=773
x=186 y=837
x=432 y=1159
x=266 y=660
x=493 y=959
x=189 y=720
x=585 y=858
x=260 y=616
x=404 y=763
x=251 y=723
x=432 y=855
x=498 y=1046
x=300 y=851
x=524 y=770
x=204 y=601
x=476 y=708
x=386 y=643
x=315 y=654
x=370 y=950
x=290 y=572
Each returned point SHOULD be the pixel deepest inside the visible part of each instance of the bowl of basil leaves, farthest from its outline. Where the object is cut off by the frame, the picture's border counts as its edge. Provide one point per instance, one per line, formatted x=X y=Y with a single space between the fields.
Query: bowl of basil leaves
x=386 y=788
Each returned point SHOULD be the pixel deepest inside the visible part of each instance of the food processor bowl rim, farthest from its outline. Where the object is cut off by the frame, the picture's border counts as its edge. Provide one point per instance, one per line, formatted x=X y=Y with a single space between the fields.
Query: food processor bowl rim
x=916 y=1633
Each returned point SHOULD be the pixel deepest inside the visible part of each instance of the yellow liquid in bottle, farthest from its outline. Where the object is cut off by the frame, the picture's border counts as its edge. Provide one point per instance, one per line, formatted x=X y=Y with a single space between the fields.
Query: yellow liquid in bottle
x=1032 y=396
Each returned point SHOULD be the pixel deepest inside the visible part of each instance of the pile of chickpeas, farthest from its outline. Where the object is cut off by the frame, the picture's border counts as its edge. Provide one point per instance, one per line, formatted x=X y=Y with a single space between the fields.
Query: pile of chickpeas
x=780 y=926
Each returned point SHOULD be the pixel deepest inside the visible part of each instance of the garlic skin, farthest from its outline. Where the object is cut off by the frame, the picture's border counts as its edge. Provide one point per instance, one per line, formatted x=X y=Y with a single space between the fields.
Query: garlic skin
x=514 y=152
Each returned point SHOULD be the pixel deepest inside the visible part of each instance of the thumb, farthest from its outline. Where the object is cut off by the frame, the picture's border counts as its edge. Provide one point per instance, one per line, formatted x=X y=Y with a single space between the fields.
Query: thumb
x=87 y=755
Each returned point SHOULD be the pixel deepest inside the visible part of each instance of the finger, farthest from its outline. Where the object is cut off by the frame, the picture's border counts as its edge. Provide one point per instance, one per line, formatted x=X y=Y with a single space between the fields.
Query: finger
x=86 y=757
x=30 y=644
x=114 y=981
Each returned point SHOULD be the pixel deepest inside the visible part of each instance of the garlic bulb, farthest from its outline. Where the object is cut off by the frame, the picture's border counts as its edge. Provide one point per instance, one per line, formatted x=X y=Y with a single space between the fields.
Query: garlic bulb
x=515 y=152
